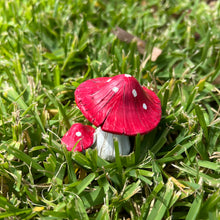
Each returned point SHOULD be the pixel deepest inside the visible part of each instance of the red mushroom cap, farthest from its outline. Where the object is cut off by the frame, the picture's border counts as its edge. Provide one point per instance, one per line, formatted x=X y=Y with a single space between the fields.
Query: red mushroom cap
x=78 y=132
x=119 y=104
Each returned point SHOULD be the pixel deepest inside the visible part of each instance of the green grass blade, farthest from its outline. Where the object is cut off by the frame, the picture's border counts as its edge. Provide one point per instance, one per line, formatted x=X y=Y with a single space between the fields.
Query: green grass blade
x=57 y=76
x=131 y=190
x=82 y=160
x=26 y=159
x=95 y=197
x=146 y=206
x=160 y=142
x=103 y=213
x=75 y=208
x=71 y=171
x=162 y=203
x=211 y=205
x=85 y=182
x=209 y=165
x=15 y=213
x=137 y=151
x=14 y=97
x=81 y=185
x=118 y=159
x=59 y=106
x=195 y=207
x=202 y=122
x=4 y=203
x=207 y=178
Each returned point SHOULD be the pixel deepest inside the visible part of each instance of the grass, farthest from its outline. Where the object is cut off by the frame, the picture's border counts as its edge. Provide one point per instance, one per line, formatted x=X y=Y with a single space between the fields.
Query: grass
x=47 y=48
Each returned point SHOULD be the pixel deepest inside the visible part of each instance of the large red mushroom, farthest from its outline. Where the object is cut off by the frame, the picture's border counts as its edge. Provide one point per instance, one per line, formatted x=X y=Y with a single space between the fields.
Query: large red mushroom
x=119 y=105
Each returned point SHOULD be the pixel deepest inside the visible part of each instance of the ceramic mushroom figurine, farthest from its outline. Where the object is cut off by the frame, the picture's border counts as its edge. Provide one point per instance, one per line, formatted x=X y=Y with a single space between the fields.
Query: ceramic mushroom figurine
x=83 y=134
x=120 y=107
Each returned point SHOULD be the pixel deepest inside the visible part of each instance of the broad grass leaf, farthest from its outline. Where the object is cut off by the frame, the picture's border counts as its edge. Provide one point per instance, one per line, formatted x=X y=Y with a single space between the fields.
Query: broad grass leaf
x=76 y=210
x=5 y=204
x=58 y=215
x=27 y=159
x=50 y=163
x=181 y=148
x=191 y=99
x=162 y=203
x=95 y=196
x=10 y=209
x=8 y=214
x=209 y=165
x=80 y=186
x=103 y=213
x=136 y=175
x=33 y=195
x=206 y=46
x=82 y=160
x=128 y=160
x=212 y=181
x=146 y=206
x=118 y=158
x=211 y=206
x=195 y=207
x=59 y=106
x=169 y=159
x=70 y=167
x=164 y=100
x=57 y=76
x=160 y=142
x=3 y=110
x=156 y=168
x=92 y=155
x=201 y=120
x=131 y=190
x=146 y=173
x=14 y=97
x=60 y=172
x=137 y=151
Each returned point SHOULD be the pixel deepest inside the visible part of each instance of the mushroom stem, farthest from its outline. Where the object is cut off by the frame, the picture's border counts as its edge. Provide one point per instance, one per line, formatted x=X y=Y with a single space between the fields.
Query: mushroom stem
x=123 y=144
x=105 y=144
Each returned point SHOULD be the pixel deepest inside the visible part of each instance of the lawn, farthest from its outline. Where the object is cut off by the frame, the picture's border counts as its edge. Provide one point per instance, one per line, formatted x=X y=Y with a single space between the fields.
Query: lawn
x=48 y=48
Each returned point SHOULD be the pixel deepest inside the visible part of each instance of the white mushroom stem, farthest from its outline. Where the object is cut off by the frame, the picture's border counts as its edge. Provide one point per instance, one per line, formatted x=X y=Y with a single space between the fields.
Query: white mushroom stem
x=105 y=144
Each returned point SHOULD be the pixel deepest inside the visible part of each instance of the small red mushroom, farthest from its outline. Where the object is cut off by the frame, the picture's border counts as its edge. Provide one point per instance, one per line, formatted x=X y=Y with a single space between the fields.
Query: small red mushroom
x=119 y=105
x=83 y=134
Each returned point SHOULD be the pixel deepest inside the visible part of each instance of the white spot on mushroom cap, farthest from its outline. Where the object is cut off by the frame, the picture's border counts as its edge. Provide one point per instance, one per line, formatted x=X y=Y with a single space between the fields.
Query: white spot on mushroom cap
x=78 y=134
x=108 y=80
x=127 y=75
x=144 y=106
x=134 y=92
x=115 y=89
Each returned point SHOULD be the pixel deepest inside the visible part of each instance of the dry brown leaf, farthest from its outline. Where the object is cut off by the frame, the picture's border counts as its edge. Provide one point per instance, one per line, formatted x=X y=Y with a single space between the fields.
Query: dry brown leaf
x=123 y=35
x=155 y=53
x=211 y=3
x=127 y=37
x=217 y=80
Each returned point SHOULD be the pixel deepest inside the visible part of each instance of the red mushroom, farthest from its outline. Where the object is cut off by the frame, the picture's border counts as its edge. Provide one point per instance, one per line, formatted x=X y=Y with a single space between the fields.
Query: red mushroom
x=119 y=105
x=83 y=134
